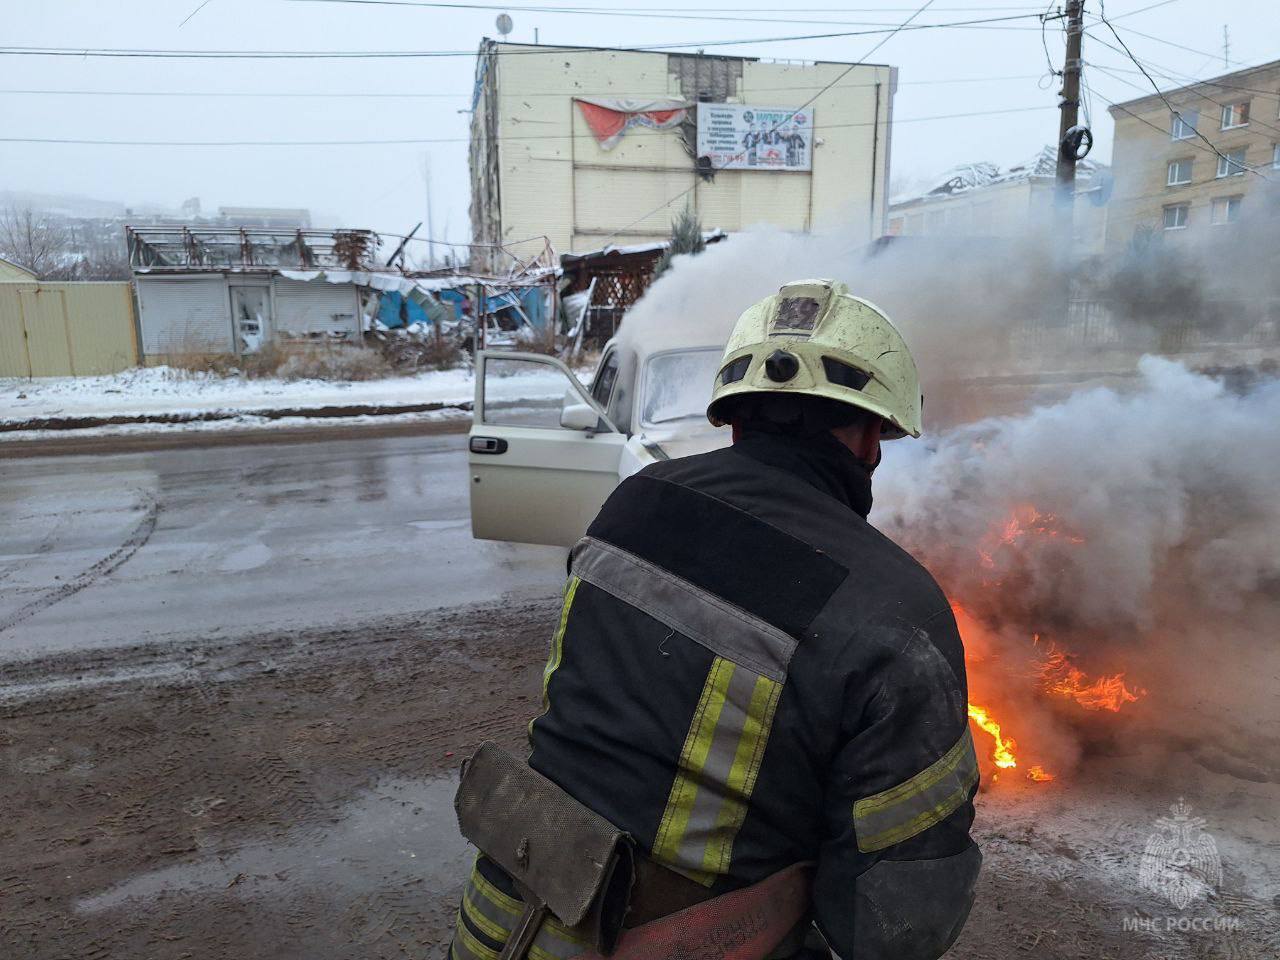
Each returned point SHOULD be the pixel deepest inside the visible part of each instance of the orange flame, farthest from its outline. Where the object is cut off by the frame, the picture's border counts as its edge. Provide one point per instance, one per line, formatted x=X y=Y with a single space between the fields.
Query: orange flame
x=1039 y=774
x=1061 y=677
x=1023 y=521
x=1002 y=750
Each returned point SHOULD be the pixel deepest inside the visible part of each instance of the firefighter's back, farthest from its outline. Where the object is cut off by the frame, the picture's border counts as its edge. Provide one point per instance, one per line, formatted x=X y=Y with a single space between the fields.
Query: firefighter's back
x=714 y=626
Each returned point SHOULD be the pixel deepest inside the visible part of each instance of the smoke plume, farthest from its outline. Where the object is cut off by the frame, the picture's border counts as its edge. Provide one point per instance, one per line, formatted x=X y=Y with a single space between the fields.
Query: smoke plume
x=1073 y=496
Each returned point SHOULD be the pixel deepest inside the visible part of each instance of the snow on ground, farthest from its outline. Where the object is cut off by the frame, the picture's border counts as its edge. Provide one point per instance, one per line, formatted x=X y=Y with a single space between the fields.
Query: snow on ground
x=163 y=390
x=245 y=421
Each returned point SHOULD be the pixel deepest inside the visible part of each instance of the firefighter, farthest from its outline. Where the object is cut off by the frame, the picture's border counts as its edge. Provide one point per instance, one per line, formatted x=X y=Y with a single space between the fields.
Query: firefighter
x=754 y=740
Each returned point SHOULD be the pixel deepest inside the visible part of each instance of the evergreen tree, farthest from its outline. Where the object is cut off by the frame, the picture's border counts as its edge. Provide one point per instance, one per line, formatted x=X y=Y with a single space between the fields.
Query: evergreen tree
x=686 y=237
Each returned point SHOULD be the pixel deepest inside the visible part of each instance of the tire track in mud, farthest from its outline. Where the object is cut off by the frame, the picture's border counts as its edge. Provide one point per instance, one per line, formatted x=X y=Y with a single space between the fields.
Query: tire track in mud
x=103 y=568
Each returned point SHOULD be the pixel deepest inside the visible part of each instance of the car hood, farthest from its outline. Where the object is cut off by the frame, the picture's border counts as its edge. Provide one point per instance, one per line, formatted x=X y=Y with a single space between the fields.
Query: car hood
x=688 y=441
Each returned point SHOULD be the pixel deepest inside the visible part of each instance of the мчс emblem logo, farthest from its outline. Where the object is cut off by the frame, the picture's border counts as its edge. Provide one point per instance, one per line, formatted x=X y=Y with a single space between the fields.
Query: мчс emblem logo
x=1181 y=861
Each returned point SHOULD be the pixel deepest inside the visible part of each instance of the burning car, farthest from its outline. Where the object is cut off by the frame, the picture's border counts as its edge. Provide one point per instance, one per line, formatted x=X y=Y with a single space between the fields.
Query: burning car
x=546 y=450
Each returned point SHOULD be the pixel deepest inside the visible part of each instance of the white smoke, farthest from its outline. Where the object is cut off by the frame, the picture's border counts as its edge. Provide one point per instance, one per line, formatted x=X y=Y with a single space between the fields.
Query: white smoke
x=1134 y=526
x=1159 y=496
x=955 y=315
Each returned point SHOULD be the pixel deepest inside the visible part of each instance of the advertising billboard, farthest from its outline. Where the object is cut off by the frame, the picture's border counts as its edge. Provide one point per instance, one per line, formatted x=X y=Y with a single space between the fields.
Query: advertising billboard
x=735 y=136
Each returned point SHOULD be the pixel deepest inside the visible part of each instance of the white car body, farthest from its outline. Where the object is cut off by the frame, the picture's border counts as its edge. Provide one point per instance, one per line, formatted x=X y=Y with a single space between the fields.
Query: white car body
x=545 y=451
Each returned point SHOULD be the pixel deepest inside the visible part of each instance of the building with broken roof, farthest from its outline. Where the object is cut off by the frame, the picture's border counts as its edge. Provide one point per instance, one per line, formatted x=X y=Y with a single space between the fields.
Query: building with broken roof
x=226 y=290
x=590 y=147
x=983 y=200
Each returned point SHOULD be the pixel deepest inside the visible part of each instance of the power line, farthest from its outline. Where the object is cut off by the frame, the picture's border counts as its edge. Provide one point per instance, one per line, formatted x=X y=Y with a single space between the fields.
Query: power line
x=1169 y=43
x=1188 y=83
x=632 y=13
x=73 y=141
x=115 y=53
x=902 y=26
x=261 y=94
x=1155 y=86
x=1189 y=79
x=1172 y=76
x=1211 y=149
x=1253 y=121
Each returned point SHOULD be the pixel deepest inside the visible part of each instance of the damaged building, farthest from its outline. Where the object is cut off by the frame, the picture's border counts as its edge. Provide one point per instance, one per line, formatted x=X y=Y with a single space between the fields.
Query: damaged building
x=222 y=290
x=590 y=147
x=982 y=200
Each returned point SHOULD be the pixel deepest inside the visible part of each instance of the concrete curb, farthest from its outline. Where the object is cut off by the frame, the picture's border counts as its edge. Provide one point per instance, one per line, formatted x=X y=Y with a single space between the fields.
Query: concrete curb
x=204 y=416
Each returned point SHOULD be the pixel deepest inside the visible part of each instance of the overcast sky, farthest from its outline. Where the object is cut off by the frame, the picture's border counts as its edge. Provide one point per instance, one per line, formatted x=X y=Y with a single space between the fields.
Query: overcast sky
x=941 y=72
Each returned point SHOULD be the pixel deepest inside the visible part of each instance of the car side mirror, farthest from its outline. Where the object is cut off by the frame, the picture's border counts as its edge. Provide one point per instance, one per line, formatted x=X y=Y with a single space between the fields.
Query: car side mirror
x=579 y=416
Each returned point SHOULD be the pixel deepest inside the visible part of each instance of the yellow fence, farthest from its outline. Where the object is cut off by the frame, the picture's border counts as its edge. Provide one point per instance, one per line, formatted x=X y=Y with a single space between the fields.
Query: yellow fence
x=70 y=329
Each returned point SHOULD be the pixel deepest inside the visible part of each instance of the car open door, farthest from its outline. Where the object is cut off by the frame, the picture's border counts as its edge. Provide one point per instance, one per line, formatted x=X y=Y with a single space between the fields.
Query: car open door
x=543 y=455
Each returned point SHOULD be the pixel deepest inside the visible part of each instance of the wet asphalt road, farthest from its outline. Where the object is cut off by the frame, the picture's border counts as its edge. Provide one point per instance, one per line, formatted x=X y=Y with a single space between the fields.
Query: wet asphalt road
x=210 y=543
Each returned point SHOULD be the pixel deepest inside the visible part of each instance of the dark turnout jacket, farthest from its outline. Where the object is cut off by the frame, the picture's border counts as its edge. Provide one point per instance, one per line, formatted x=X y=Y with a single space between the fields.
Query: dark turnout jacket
x=746 y=675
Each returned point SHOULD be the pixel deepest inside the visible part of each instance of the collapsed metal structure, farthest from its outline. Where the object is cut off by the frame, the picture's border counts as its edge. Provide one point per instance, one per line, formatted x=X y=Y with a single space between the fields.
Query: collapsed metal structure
x=185 y=248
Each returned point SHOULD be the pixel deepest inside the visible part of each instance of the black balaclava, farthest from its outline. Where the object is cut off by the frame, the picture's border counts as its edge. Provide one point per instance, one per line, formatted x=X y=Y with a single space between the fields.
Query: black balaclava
x=793 y=433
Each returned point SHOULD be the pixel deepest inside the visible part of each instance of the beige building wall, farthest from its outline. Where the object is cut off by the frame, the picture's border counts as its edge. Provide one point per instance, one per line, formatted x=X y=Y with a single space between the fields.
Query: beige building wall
x=12 y=273
x=1145 y=147
x=66 y=329
x=553 y=178
x=1005 y=210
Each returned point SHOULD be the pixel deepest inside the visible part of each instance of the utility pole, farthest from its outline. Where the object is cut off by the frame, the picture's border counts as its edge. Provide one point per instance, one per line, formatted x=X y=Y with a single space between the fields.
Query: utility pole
x=431 y=223
x=1070 y=107
x=1226 y=48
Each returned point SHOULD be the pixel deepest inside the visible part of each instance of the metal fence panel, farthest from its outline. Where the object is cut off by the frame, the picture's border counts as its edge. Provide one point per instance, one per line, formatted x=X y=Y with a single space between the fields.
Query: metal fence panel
x=13 y=335
x=66 y=329
x=101 y=327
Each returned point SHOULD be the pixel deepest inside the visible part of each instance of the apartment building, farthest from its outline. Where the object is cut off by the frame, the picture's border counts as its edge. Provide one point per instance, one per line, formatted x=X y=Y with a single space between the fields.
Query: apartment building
x=1185 y=172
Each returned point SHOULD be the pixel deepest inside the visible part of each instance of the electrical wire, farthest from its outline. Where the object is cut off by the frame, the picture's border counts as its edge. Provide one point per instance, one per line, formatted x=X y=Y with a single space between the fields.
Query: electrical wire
x=507 y=139
x=260 y=94
x=1156 y=87
x=683 y=193
x=1168 y=43
x=1186 y=83
x=431 y=54
x=1211 y=148
x=1253 y=120
x=632 y=13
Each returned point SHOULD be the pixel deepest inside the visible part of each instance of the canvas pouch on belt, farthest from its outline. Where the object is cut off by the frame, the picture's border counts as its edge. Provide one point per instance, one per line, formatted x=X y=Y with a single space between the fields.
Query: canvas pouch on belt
x=558 y=853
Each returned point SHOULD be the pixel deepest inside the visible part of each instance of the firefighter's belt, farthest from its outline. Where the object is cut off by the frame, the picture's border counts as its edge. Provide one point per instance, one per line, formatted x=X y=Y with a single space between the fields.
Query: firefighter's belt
x=563 y=857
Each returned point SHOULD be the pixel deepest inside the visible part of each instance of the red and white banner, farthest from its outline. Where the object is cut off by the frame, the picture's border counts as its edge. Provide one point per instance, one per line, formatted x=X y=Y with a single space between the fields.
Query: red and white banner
x=609 y=119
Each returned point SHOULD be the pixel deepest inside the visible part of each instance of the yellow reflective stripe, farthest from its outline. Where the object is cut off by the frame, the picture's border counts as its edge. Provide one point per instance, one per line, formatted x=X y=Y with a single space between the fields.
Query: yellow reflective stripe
x=743 y=773
x=915 y=805
x=496 y=896
x=476 y=914
x=717 y=771
x=555 y=941
x=461 y=935
x=557 y=648
x=697 y=744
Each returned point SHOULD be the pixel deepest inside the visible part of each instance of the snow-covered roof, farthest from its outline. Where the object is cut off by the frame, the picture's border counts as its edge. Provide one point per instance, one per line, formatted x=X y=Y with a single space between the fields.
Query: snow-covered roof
x=708 y=236
x=974 y=176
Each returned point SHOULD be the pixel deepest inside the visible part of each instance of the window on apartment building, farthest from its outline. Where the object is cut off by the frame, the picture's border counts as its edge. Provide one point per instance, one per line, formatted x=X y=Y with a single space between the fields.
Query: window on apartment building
x=1175 y=216
x=1235 y=114
x=1225 y=210
x=1179 y=172
x=1184 y=124
x=1231 y=164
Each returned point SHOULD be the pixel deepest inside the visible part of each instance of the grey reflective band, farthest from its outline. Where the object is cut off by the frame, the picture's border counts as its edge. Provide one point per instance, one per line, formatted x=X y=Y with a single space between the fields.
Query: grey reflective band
x=912 y=807
x=724 y=629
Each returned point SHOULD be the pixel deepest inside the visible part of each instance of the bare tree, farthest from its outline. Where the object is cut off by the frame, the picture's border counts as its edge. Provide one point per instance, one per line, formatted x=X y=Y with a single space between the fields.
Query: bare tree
x=37 y=243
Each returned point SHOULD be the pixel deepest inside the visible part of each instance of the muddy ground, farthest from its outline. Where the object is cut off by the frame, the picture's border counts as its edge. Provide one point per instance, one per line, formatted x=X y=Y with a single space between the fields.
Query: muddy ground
x=288 y=796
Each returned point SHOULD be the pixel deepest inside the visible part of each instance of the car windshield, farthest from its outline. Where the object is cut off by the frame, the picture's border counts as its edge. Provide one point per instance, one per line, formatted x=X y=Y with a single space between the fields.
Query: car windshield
x=677 y=385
